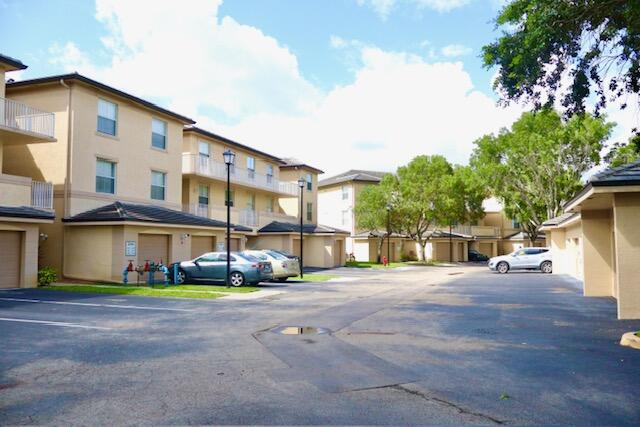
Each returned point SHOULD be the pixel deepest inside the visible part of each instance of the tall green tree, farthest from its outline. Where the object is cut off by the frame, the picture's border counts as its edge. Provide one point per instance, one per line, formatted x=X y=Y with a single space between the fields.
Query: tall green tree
x=465 y=192
x=421 y=197
x=593 y=46
x=371 y=210
x=537 y=166
x=621 y=154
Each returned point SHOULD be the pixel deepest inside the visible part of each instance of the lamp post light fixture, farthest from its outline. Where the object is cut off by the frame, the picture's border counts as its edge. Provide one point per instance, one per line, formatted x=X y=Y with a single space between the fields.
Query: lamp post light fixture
x=229 y=158
x=301 y=183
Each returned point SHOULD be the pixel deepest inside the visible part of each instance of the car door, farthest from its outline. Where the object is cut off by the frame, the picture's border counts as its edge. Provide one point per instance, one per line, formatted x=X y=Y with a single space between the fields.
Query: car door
x=531 y=258
x=203 y=267
x=220 y=267
x=518 y=259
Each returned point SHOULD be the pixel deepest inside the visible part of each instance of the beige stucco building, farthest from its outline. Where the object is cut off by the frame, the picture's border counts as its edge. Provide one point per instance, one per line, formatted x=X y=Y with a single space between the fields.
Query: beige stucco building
x=597 y=240
x=493 y=235
x=25 y=200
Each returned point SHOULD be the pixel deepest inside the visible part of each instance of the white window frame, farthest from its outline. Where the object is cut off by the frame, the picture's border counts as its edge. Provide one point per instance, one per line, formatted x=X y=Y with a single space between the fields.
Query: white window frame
x=165 y=128
x=163 y=186
x=114 y=177
x=115 y=118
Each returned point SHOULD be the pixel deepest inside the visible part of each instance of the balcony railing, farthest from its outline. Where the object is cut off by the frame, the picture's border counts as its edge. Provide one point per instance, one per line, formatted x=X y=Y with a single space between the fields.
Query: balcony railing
x=16 y=115
x=476 y=230
x=196 y=164
x=41 y=195
x=246 y=217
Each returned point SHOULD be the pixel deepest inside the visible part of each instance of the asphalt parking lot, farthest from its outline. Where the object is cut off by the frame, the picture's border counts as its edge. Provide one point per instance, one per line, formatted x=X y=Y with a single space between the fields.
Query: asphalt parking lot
x=432 y=345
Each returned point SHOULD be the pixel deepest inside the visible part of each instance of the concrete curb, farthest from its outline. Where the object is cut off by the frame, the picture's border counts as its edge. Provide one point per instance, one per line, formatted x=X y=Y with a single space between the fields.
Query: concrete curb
x=630 y=339
x=250 y=295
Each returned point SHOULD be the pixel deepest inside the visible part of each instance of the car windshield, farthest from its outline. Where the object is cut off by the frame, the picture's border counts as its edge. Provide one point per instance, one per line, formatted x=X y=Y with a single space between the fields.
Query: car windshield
x=259 y=255
x=276 y=255
x=248 y=257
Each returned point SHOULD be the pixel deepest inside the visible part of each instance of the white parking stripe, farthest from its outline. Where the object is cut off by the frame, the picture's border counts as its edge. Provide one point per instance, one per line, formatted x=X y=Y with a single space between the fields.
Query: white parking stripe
x=52 y=323
x=88 y=304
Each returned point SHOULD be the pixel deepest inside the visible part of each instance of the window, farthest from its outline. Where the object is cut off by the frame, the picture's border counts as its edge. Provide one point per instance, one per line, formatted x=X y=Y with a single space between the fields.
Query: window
x=203 y=149
x=345 y=192
x=158 y=185
x=251 y=202
x=270 y=204
x=251 y=167
x=309 y=211
x=107 y=117
x=105 y=177
x=203 y=195
x=229 y=197
x=159 y=134
x=269 y=174
x=345 y=217
x=223 y=257
x=309 y=182
x=515 y=223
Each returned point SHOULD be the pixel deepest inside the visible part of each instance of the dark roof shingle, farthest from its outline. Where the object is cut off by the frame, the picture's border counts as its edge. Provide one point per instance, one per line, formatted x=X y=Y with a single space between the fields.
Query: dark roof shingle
x=353 y=175
x=25 y=212
x=291 y=163
x=12 y=62
x=287 y=227
x=628 y=174
x=119 y=211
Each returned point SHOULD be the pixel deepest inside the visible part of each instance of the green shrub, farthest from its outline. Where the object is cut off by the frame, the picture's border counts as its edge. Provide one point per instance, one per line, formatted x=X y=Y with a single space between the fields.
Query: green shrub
x=408 y=257
x=46 y=276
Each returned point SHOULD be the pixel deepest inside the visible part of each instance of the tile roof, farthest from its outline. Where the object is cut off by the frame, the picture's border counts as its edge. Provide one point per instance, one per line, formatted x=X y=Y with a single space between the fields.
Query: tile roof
x=378 y=233
x=290 y=162
x=119 y=211
x=25 y=212
x=353 y=175
x=559 y=219
x=628 y=174
x=106 y=88
x=12 y=62
x=231 y=142
x=441 y=234
x=287 y=227
x=523 y=235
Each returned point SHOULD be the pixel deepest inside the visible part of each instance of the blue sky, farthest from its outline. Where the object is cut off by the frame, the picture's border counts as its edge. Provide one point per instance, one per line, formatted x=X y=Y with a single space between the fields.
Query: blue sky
x=338 y=83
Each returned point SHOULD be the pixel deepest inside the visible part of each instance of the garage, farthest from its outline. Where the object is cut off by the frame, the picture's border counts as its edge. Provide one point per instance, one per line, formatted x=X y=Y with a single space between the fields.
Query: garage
x=235 y=244
x=202 y=244
x=153 y=247
x=337 y=252
x=486 y=248
x=10 y=253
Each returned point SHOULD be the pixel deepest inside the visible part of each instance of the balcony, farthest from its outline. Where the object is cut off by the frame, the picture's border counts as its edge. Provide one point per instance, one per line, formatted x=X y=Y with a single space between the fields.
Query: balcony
x=204 y=166
x=246 y=217
x=23 y=191
x=22 y=124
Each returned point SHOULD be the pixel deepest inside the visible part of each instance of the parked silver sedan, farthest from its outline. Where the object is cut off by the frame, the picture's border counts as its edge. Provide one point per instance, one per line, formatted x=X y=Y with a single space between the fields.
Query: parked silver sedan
x=282 y=266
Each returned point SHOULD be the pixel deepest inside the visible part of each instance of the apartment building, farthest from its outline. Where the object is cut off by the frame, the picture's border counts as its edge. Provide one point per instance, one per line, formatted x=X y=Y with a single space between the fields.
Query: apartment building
x=25 y=199
x=493 y=235
x=597 y=239
x=116 y=171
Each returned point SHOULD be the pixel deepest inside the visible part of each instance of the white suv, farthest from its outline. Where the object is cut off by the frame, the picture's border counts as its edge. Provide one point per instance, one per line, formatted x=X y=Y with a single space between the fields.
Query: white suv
x=523 y=259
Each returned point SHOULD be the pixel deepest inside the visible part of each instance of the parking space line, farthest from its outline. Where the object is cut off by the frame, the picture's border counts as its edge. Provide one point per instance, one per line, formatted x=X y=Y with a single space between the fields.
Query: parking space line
x=88 y=304
x=52 y=323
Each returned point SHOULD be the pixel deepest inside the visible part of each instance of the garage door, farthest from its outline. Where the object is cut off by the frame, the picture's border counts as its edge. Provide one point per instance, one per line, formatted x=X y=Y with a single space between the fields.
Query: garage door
x=235 y=244
x=153 y=247
x=201 y=245
x=486 y=248
x=10 y=251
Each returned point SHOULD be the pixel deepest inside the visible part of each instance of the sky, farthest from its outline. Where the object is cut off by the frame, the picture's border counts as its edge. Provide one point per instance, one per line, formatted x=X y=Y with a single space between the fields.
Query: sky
x=338 y=84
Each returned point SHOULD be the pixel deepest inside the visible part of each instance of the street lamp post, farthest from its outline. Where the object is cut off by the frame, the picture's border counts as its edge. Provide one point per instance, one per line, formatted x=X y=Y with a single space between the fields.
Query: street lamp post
x=301 y=183
x=229 y=157
x=389 y=207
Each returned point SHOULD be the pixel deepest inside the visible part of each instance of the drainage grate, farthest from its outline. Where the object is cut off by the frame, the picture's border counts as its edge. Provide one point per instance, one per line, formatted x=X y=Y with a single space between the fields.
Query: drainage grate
x=300 y=330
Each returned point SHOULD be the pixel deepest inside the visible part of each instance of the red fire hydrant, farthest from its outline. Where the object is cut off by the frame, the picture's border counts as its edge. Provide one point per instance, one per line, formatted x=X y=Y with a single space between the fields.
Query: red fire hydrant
x=130 y=266
x=385 y=261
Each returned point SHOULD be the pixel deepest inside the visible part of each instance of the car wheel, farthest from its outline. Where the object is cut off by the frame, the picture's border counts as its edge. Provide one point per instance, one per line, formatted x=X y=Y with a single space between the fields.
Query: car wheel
x=182 y=277
x=502 y=267
x=282 y=279
x=236 y=278
x=546 y=267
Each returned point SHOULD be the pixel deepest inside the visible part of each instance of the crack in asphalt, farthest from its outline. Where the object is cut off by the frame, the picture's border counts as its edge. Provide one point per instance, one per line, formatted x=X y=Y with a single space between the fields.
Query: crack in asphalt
x=455 y=406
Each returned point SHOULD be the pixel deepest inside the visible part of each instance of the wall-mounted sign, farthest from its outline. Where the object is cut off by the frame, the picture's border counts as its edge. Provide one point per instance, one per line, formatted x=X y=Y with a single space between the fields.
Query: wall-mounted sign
x=219 y=247
x=130 y=248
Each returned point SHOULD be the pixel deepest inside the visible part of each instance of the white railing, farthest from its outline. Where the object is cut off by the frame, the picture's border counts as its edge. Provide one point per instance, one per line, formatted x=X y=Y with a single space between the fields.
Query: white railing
x=246 y=217
x=19 y=116
x=196 y=164
x=475 y=230
x=41 y=195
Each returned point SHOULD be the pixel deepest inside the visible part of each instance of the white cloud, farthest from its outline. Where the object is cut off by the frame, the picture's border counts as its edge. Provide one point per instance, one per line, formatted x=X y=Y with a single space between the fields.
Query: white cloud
x=384 y=7
x=453 y=50
x=239 y=82
x=337 y=42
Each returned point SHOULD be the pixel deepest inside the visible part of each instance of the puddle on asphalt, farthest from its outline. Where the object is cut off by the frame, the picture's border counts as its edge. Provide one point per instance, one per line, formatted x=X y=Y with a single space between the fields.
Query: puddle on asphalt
x=300 y=330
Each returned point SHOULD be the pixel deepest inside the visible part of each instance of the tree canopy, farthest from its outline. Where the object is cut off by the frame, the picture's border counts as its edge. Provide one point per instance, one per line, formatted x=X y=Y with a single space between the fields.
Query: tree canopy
x=537 y=166
x=591 y=45
x=621 y=154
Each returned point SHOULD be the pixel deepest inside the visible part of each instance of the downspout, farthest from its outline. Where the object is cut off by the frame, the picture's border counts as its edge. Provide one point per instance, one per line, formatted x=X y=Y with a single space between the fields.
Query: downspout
x=67 y=190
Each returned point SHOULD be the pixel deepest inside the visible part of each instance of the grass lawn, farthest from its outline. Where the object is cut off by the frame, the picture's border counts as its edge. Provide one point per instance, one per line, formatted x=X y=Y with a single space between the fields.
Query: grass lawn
x=313 y=277
x=180 y=291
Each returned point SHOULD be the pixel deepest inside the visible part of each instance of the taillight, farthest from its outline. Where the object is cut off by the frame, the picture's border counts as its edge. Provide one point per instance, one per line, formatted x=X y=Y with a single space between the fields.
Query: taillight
x=254 y=265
